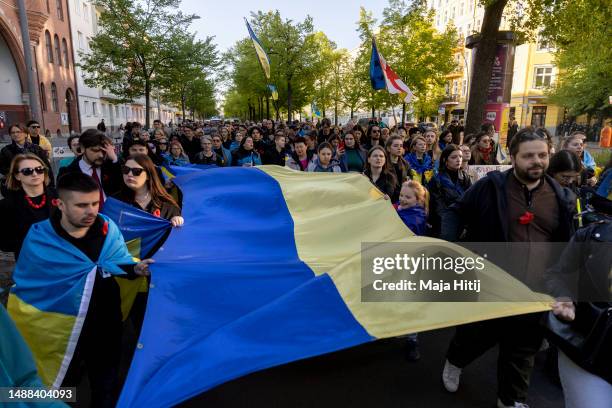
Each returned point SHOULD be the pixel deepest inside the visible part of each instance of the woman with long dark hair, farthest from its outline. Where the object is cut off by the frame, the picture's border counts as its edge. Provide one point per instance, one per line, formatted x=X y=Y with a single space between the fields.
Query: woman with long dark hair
x=28 y=200
x=245 y=155
x=354 y=157
x=380 y=173
x=447 y=186
x=395 y=151
x=143 y=189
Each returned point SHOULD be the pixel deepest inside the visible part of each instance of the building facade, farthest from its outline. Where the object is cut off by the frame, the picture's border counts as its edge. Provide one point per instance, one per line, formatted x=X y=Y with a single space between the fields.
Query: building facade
x=96 y=104
x=533 y=68
x=53 y=65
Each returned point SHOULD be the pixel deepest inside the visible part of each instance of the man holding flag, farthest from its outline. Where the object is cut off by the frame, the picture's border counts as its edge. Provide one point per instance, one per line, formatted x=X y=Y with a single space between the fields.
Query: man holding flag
x=66 y=302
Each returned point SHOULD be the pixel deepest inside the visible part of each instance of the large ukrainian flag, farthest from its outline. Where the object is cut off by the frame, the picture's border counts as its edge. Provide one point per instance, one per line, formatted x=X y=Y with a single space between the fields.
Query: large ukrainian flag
x=267 y=271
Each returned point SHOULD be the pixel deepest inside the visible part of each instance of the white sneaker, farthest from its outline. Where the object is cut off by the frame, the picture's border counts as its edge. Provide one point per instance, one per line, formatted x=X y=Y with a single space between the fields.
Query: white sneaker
x=500 y=404
x=450 y=377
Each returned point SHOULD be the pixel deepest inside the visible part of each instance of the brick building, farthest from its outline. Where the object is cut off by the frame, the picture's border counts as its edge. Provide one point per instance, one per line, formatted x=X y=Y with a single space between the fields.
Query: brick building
x=53 y=65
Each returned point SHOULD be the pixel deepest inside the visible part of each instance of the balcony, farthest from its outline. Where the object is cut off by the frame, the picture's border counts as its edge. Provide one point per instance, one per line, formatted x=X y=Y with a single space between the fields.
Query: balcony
x=450 y=99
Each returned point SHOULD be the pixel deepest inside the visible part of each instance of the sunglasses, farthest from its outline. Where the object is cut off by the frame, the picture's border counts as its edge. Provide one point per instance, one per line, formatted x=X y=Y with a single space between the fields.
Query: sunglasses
x=136 y=171
x=28 y=171
x=35 y=127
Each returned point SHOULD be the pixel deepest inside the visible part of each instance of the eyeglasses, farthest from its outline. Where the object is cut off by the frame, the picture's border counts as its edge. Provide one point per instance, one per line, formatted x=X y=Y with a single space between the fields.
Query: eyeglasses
x=35 y=127
x=28 y=171
x=136 y=171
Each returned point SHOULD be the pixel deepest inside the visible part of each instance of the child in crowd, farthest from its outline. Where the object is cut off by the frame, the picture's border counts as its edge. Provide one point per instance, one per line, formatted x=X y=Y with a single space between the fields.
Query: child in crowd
x=412 y=207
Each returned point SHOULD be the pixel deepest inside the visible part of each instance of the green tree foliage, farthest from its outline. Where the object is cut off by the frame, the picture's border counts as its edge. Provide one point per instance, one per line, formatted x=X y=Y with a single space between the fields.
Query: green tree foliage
x=134 y=46
x=417 y=52
x=580 y=34
x=292 y=48
x=191 y=72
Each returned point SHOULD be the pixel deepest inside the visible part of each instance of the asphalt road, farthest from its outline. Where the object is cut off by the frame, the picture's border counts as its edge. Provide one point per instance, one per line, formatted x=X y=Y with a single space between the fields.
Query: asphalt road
x=376 y=375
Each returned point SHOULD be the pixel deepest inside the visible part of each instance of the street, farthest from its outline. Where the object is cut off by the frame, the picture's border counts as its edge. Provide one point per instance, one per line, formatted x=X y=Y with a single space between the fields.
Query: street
x=376 y=375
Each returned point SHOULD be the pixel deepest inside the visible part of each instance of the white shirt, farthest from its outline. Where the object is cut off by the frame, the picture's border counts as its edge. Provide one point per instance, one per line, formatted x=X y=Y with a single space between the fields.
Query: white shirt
x=89 y=169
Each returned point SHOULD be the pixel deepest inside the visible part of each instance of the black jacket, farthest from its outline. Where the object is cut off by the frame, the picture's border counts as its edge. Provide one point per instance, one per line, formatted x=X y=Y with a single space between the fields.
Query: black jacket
x=582 y=275
x=111 y=175
x=442 y=196
x=17 y=217
x=192 y=147
x=582 y=272
x=10 y=151
x=272 y=156
x=482 y=211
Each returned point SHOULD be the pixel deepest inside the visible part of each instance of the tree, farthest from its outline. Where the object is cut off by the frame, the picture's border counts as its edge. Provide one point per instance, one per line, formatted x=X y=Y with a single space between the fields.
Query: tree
x=192 y=65
x=135 y=44
x=483 y=63
x=292 y=50
x=351 y=88
x=580 y=33
x=365 y=27
x=417 y=52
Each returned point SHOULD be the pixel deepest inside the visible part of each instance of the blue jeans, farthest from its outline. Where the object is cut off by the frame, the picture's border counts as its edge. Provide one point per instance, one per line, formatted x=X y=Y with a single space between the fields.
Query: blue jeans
x=581 y=388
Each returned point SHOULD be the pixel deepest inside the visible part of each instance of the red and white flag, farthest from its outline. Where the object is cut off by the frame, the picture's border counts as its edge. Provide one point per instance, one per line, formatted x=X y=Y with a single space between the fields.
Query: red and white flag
x=393 y=82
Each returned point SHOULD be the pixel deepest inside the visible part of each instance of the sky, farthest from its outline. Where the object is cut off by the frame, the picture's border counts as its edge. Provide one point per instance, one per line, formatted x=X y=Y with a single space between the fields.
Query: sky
x=224 y=19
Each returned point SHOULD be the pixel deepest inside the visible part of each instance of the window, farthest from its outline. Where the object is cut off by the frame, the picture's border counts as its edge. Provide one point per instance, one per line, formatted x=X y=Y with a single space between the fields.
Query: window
x=543 y=77
x=437 y=20
x=461 y=7
x=49 y=46
x=455 y=87
x=542 y=44
x=94 y=108
x=453 y=14
x=54 y=100
x=66 y=58
x=80 y=39
x=58 y=51
x=471 y=2
x=48 y=7
x=116 y=111
x=43 y=97
x=464 y=88
x=445 y=17
x=87 y=108
x=538 y=116
x=60 y=9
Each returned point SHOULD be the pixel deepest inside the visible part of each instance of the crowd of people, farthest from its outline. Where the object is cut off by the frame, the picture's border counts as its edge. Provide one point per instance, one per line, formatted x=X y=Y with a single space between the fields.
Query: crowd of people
x=548 y=194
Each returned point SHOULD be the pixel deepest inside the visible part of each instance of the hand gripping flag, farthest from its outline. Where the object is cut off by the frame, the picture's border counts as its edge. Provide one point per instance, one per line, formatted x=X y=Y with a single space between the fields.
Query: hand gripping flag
x=382 y=76
x=261 y=54
x=278 y=279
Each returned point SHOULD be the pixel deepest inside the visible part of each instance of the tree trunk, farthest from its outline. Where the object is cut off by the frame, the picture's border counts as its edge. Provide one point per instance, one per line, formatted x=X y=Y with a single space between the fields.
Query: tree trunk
x=289 y=101
x=148 y=102
x=183 y=103
x=336 y=113
x=352 y=112
x=267 y=107
x=373 y=112
x=483 y=65
x=404 y=114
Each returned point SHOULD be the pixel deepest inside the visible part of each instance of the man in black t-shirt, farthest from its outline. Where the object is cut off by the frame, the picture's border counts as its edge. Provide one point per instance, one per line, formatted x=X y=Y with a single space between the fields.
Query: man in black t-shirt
x=99 y=343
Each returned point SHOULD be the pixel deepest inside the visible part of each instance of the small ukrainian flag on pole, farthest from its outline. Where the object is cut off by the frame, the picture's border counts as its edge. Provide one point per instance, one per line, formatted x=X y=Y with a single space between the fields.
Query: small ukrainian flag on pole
x=261 y=54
